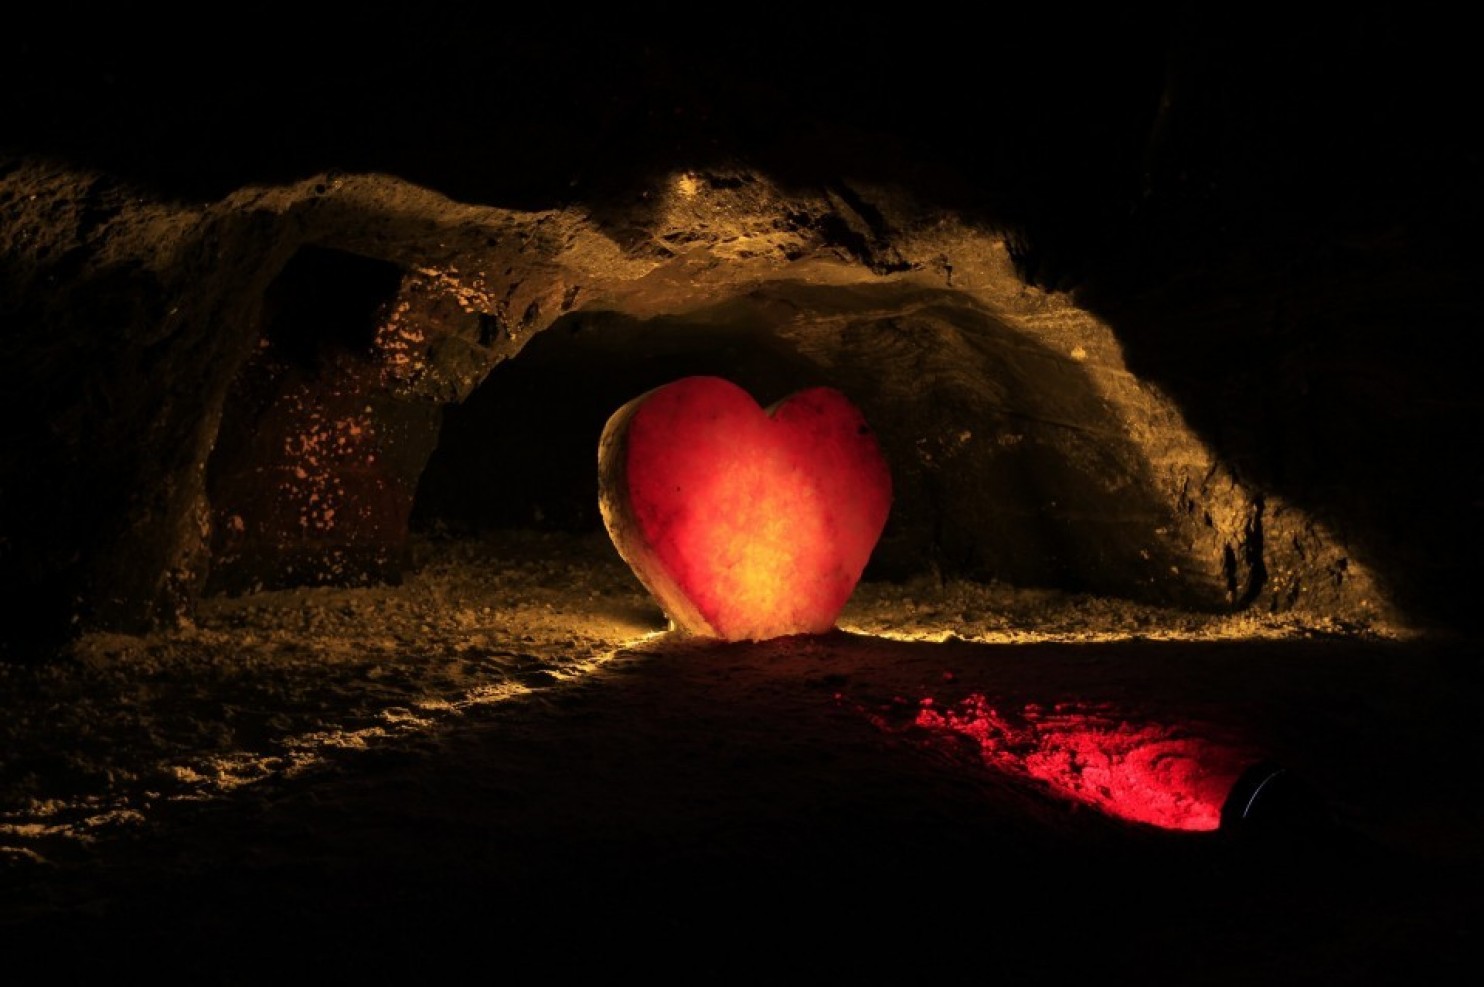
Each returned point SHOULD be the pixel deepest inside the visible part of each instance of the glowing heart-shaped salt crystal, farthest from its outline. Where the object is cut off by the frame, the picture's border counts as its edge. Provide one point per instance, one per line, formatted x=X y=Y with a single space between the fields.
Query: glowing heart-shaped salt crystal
x=745 y=523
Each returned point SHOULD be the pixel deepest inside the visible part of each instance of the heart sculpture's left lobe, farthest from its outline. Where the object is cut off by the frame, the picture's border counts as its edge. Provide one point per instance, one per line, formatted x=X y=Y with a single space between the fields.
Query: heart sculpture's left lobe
x=745 y=523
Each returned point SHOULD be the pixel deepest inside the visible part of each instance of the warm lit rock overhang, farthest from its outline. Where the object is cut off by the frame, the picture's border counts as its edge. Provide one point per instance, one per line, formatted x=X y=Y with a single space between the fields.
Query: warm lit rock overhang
x=136 y=316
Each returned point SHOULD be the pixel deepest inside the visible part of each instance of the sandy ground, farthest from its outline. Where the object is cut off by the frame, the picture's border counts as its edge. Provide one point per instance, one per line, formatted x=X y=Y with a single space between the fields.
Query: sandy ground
x=507 y=761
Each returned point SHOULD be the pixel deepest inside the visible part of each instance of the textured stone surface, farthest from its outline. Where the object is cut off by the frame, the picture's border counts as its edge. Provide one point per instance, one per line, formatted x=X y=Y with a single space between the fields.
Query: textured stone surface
x=1026 y=450
x=1243 y=372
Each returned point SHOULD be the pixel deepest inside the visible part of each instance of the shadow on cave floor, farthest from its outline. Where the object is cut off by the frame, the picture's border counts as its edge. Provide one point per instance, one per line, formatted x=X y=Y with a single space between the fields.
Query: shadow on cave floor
x=735 y=806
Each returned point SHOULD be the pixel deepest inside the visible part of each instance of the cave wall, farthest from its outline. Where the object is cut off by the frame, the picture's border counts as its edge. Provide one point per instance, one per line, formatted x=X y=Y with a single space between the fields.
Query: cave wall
x=1296 y=269
x=1026 y=450
x=1260 y=240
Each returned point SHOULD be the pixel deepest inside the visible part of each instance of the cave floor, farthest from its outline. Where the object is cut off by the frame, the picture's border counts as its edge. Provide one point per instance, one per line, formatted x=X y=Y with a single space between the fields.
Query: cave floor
x=506 y=759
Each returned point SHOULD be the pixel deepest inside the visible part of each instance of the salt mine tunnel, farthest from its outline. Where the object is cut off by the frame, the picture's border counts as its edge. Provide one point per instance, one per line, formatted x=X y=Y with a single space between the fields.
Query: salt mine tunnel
x=1162 y=666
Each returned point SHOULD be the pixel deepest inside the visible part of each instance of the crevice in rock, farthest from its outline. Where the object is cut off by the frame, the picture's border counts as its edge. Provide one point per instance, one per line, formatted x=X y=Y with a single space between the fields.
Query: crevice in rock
x=1253 y=549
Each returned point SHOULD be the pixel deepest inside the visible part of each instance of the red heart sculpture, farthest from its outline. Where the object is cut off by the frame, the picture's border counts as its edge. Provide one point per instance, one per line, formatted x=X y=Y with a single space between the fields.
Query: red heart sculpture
x=745 y=524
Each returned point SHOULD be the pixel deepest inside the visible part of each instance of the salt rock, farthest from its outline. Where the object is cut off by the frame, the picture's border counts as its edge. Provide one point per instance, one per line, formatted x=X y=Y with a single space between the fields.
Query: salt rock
x=745 y=523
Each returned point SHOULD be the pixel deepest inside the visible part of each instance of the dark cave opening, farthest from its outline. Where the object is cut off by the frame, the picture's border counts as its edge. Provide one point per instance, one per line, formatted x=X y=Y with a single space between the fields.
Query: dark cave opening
x=326 y=301
x=522 y=450
x=1008 y=464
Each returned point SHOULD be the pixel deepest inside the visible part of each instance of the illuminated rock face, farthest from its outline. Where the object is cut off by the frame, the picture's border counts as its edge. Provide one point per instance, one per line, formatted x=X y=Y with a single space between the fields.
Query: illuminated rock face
x=745 y=523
